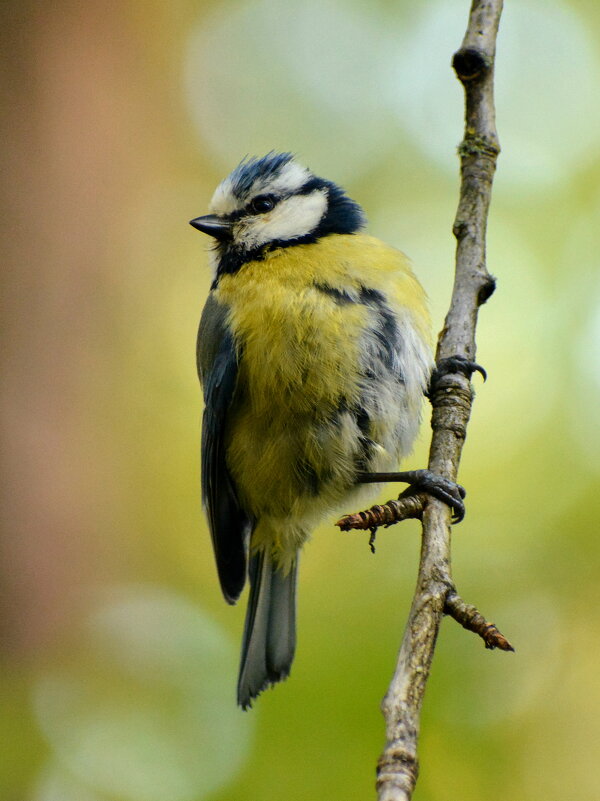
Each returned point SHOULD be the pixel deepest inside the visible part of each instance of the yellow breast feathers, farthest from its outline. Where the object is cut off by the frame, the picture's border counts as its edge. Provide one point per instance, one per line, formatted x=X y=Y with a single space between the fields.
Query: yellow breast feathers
x=294 y=316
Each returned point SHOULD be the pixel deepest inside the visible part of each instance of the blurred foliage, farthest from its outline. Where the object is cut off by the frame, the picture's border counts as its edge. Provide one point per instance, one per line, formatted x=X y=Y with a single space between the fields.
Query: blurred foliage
x=119 y=657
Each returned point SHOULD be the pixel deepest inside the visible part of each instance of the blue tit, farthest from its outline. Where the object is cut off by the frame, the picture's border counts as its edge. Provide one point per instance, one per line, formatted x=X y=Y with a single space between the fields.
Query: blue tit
x=314 y=353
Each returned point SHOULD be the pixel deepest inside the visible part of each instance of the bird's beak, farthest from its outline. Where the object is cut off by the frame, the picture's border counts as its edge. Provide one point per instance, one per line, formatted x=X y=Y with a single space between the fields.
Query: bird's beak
x=213 y=226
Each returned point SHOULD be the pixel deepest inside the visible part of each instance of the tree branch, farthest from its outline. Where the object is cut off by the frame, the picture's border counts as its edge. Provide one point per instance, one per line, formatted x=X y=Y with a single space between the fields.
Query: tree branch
x=470 y=618
x=451 y=399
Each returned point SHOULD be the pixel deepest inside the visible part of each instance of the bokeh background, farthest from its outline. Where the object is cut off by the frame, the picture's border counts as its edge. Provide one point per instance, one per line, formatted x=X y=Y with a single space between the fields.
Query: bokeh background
x=119 y=656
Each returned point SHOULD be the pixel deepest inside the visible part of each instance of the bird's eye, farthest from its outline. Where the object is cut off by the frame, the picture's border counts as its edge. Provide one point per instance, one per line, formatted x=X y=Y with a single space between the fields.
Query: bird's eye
x=262 y=204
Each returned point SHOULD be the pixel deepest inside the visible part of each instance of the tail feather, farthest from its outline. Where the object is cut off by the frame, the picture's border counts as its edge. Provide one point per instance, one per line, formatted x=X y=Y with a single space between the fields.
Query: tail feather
x=269 y=640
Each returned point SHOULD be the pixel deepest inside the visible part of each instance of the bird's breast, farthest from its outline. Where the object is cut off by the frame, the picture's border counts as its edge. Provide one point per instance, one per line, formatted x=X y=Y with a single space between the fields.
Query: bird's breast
x=331 y=369
x=295 y=345
x=299 y=317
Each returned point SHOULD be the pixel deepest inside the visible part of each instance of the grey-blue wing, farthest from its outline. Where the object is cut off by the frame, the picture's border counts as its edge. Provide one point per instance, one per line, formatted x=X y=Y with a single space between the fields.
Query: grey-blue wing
x=228 y=522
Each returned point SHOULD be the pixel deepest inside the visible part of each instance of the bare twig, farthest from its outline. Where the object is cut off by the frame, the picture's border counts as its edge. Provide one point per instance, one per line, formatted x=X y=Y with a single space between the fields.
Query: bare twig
x=403 y=508
x=471 y=618
x=451 y=399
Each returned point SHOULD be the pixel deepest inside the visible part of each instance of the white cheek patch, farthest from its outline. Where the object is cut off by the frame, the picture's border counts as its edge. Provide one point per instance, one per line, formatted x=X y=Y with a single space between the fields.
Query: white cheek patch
x=291 y=218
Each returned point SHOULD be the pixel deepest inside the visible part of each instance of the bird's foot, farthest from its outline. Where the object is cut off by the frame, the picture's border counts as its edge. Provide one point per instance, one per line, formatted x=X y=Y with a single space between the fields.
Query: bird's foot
x=453 y=364
x=433 y=484
x=439 y=487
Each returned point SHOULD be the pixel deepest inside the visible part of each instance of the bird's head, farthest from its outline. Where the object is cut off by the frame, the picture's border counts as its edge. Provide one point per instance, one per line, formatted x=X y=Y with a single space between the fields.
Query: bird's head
x=274 y=202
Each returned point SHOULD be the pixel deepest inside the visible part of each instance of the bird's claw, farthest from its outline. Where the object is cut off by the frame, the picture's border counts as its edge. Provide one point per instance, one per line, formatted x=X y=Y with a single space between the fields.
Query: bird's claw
x=454 y=364
x=441 y=488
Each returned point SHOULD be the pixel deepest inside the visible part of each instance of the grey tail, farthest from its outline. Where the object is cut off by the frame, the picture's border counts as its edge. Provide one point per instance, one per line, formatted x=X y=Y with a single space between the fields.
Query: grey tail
x=270 y=630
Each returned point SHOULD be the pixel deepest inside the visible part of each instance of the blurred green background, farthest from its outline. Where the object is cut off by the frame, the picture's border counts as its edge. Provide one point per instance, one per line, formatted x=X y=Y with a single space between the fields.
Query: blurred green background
x=119 y=656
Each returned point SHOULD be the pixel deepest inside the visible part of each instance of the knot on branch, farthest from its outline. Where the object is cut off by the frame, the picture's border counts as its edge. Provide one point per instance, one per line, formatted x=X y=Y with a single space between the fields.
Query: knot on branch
x=470 y=64
x=448 y=392
x=451 y=405
x=398 y=767
x=477 y=145
x=486 y=290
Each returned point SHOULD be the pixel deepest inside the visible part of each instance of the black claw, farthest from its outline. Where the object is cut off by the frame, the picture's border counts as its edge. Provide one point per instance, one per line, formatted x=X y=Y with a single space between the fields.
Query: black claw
x=454 y=364
x=439 y=487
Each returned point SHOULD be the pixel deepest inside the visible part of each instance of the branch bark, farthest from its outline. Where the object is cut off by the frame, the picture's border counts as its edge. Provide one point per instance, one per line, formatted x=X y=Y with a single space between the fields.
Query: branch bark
x=451 y=400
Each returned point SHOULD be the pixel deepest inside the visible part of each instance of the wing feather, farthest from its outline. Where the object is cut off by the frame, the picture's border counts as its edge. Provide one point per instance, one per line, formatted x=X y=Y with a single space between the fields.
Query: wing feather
x=228 y=522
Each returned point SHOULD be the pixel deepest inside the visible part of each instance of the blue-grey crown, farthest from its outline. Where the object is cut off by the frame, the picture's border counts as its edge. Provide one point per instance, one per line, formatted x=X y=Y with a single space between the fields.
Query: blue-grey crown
x=251 y=168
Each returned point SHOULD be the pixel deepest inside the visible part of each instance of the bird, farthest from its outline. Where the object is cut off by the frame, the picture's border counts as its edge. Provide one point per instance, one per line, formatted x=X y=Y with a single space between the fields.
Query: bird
x=314 y=353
